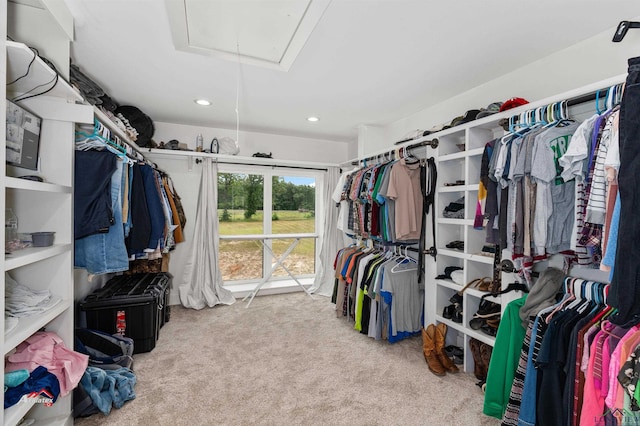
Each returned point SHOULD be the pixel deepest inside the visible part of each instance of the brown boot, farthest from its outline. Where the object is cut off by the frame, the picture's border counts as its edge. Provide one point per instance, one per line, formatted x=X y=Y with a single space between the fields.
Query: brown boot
x=429 y=350
x=485 y=354
x=447 y=363
x=478 y=368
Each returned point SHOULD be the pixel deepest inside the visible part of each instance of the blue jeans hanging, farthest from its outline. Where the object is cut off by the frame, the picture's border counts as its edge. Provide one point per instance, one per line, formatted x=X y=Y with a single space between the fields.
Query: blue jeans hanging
x=106 y=252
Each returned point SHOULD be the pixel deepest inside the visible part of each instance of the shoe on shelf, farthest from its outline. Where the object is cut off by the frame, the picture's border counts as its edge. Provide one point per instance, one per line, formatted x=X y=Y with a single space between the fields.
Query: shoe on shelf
x=457 y=313
x=448 y=311
x=490 y=326
x=456 y=245
x=453 y=311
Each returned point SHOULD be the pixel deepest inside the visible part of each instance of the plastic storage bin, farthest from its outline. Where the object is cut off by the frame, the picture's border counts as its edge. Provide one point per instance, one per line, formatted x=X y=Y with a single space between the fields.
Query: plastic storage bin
x=137 y=303
x=42 y=239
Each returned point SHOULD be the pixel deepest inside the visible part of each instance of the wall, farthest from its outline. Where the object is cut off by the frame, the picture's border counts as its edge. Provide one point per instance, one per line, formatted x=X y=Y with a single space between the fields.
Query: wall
x=282 y=147
x=592 y=60
x=186 y=177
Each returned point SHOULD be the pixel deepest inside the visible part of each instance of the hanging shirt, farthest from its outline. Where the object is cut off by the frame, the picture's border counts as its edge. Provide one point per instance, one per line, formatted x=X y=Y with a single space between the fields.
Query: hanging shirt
x=554 y=215
x=596 y=206
x=407 y=299
x=573 y=162
x=337 y=197
x=480 y=216
x=504 y=360
x=404 y=189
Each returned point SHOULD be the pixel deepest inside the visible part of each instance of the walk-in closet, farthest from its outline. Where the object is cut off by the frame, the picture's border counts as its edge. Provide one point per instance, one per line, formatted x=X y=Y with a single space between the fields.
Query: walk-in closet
x=320 y=212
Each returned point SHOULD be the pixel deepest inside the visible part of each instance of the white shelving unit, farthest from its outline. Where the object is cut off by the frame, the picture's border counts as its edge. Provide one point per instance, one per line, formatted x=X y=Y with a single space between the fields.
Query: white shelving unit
x=459 y=158
x=42 y=206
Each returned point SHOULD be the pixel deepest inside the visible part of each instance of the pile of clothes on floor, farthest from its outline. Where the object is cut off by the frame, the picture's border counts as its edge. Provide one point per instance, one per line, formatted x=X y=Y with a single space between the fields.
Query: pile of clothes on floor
x=108 y=380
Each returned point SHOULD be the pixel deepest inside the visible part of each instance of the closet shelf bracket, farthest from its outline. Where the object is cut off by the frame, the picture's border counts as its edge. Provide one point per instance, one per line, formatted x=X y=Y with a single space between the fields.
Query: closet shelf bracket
x=431 y=252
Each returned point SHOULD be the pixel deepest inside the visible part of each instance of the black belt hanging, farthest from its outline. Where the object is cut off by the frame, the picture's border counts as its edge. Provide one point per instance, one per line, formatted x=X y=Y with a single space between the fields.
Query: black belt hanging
x=428 y=179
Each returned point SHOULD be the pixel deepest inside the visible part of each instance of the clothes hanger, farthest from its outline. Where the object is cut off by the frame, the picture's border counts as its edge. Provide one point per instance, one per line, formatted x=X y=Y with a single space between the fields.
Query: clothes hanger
x=598 y=111
x=585 y=292
x=88 y=142
x=620 y=93
x=609 y=98
x=566 y=298
x=583 y=300
x=578 y=294
x=101 y=134
x=537 y=115
x=556 y=115
x=405 y=258
x=515 y=286
x=408 y=156
x=512 y=130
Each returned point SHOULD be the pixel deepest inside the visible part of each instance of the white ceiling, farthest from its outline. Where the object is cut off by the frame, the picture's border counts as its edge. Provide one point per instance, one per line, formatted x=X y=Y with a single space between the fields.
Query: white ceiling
x=365 y=62
x=271 y=33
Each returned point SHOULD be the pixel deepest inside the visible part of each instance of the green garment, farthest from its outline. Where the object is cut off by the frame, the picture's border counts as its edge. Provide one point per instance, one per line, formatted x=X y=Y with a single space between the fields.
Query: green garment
x=378 y=259
x=504 y=360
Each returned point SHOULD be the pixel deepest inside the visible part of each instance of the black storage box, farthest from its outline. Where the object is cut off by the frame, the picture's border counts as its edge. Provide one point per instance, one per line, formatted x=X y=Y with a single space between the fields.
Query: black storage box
x=142 y=298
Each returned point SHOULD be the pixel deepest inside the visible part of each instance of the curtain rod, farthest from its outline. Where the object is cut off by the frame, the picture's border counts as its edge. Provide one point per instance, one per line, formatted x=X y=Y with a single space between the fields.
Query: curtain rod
x=246 y=161
x=199 y=160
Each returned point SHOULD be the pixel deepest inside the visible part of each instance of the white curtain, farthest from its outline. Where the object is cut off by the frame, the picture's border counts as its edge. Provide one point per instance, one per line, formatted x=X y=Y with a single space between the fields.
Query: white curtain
x=332 y=238
x=201 y=284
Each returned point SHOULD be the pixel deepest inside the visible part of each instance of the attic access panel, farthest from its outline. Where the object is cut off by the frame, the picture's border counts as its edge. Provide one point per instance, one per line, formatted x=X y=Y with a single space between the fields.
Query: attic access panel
x=265 y=33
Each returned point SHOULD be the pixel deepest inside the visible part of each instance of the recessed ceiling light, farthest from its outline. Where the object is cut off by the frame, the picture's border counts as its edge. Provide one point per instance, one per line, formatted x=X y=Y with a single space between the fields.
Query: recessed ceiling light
x=202 y=102
x=313 y=119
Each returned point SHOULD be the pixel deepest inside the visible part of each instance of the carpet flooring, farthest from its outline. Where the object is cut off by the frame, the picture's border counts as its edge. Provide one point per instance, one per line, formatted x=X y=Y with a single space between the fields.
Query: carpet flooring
x=287 y=360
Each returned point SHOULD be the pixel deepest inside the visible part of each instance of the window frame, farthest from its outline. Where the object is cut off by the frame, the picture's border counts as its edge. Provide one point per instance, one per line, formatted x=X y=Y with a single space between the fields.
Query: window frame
x=268 y=172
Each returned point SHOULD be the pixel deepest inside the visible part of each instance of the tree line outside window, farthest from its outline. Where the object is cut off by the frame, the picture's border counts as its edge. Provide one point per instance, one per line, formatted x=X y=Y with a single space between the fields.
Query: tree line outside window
x=245 y=192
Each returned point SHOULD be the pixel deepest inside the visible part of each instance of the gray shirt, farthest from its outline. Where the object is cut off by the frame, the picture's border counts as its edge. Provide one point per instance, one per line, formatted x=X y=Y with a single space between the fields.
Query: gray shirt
x=553 y=219
x=401 y=280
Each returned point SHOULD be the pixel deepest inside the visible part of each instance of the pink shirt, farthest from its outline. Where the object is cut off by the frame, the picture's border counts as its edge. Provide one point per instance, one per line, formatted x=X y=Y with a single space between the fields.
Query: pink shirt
x=626 y=346
x=593 y=398
x=47 y=349
x=586 y=350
